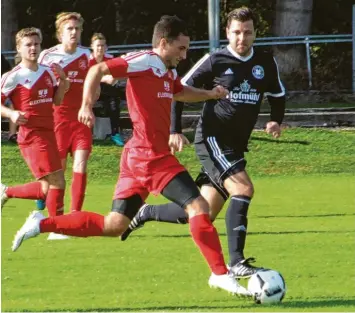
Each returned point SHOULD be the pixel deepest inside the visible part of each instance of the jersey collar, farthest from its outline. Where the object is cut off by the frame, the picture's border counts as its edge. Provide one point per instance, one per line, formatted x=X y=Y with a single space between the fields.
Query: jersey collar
x=241 y=58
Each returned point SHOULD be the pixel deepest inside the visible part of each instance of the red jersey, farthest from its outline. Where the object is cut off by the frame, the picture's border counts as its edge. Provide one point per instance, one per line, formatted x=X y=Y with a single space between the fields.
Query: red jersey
x=31 y=92
x=92 y=60
x=75 y=66
x=149 y=92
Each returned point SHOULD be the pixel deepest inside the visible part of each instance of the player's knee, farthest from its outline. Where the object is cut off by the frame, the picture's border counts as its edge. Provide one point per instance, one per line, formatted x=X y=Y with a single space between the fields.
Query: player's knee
x=197 y=206
x=242 y=189
x=79 y=166
x=44 y=185
x=115 y=224
x=56 y=180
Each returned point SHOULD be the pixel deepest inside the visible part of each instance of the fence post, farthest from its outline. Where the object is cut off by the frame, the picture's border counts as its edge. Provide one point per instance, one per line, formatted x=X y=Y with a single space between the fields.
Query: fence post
x=309 y=66
x=213 y=24
x=354 y=48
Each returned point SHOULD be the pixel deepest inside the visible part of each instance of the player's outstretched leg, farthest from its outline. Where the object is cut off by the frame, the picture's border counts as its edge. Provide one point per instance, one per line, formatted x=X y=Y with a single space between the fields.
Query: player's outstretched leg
x=168 y=213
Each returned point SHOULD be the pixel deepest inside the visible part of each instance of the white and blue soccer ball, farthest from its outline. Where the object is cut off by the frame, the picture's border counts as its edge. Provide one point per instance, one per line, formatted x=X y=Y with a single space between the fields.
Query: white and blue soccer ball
x=267 y=286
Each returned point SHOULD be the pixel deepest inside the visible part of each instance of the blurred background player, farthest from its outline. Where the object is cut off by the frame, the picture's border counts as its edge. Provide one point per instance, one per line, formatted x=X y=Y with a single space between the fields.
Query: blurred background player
x=6 y=67
x=72 y=136
x=32 y=89
x=109 y=99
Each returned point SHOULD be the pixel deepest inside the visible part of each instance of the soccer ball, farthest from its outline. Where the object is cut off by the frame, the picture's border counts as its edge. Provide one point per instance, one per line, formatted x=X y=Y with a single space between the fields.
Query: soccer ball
x=267 y=286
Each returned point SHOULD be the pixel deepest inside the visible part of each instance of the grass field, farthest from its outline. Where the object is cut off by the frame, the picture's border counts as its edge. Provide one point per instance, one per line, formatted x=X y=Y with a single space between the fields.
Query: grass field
x=301 y=223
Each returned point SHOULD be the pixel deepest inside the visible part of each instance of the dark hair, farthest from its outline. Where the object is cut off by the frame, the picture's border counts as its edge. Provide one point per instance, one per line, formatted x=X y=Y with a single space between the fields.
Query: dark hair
x=241 y=14
x=169 y=27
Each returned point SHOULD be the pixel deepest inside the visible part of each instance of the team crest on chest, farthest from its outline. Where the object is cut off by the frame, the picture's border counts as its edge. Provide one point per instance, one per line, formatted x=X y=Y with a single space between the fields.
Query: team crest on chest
x=258 y=72
x=82 y=64
x=48 y=82
x=166 y=85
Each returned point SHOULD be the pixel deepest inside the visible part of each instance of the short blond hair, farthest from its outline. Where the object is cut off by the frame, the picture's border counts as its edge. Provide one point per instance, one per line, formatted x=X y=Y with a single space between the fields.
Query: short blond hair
x=28 y=32
x=97 y=36
x=64 y=17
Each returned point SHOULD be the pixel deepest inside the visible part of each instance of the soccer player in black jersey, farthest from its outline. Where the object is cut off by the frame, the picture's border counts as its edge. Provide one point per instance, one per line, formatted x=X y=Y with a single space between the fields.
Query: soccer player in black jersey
x=223 y=132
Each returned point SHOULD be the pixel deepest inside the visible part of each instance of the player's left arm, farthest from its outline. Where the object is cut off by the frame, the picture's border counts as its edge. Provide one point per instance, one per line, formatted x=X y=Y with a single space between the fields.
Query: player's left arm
x=192 y=94
x=62 y=83
x=277 y=100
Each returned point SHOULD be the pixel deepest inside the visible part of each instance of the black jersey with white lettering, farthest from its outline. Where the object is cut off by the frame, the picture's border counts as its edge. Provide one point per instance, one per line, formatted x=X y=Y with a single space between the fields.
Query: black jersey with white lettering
x=248 y=79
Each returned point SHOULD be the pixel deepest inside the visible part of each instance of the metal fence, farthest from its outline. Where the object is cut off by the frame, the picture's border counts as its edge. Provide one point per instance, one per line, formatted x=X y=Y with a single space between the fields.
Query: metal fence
x=307 y=41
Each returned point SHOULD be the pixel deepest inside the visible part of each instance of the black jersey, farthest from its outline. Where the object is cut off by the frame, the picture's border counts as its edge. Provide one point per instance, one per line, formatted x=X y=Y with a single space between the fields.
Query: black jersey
x=248 y=79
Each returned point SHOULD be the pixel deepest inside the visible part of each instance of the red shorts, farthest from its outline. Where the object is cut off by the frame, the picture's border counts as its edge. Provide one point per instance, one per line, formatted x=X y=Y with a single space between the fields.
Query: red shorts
x=72 y=136
x=143 y=171
x=40 y=152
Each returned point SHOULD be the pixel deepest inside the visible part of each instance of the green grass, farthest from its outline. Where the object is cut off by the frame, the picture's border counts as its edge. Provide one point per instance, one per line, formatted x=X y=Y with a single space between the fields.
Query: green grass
x=301 y=223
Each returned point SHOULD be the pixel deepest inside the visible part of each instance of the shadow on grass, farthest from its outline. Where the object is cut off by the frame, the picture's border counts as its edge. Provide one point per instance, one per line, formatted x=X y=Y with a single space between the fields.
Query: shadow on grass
x=222 y=234
x=291 y=304
x=298 y=142
x=301 y=216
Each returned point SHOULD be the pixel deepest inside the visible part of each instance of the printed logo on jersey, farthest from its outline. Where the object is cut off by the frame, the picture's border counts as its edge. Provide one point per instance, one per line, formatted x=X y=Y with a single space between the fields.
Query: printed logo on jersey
x=244 y=94
x=167 y=93
x=72 y=74
x=82 y=64
x=166 y=86
x=228 y=72
x=258 y=72
x=42 y=93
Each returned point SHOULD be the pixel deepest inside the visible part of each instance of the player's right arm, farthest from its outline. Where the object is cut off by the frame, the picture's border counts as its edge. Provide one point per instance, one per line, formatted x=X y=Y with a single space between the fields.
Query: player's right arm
x=91 y=92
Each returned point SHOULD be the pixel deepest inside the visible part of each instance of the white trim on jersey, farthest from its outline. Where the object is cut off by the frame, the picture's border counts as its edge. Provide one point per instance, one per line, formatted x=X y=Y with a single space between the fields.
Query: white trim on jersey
x=217 y=153
x=239 y=57
x=219 y=156
x=282 y=93
x=193 y=69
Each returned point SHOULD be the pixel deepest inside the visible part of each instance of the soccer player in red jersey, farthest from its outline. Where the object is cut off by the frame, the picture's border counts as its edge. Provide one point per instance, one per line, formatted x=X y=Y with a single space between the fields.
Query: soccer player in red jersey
x=33 y=89
x=72 y=136
x=147 y=164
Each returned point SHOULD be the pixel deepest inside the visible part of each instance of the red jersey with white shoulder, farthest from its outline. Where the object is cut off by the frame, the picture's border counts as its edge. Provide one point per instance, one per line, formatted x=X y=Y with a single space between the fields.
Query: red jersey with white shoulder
x=92 y=60
x=31 y=92
x=149 y=92
x=75 y=66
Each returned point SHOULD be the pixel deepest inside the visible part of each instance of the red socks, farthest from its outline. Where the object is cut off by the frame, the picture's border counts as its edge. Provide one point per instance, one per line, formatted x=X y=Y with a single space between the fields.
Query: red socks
x=206 y=238
x=78 y=187
x=55 y=202
x=27 y=191
x=77 y=224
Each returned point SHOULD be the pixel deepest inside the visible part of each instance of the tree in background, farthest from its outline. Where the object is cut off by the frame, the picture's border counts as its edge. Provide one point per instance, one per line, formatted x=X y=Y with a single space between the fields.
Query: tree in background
x=9 y=25
x=293 y=18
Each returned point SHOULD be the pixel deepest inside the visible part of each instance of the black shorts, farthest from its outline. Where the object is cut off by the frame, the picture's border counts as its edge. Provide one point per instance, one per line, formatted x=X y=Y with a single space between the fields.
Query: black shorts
x=218 y=161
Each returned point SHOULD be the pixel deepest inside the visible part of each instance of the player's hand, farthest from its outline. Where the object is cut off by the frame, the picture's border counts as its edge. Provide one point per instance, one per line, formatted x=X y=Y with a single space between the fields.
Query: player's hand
x=274 y=129
x=18 y=117
x=219 y=92
x=58 y=71
x=177 y=142
x=86 y=116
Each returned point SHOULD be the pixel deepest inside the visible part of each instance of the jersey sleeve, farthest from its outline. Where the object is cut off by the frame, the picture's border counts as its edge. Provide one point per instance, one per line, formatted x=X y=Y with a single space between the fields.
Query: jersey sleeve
x=200 y=73
x=8 y=85
x=44 y=58
x=275 y=87
x=129 y=65
x=178 y=87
